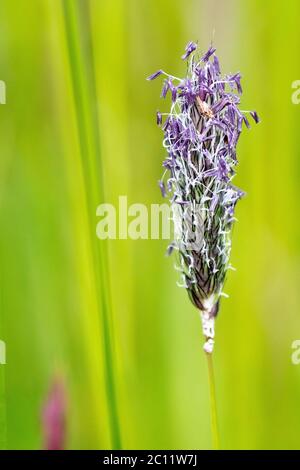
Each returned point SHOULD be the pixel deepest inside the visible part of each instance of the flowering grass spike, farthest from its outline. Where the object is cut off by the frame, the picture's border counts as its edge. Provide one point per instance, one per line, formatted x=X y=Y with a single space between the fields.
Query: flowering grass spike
x=201 y=132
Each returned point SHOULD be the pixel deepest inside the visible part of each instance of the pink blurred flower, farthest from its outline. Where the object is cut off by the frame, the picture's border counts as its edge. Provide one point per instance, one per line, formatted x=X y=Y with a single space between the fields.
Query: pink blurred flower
x=54 y=417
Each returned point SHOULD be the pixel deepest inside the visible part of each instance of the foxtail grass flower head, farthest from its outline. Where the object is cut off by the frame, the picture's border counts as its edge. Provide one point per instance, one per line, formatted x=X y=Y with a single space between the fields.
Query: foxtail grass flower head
x=201 y=133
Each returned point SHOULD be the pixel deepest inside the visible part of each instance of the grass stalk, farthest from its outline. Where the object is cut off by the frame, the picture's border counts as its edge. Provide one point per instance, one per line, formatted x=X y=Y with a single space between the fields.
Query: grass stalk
x=213 y=403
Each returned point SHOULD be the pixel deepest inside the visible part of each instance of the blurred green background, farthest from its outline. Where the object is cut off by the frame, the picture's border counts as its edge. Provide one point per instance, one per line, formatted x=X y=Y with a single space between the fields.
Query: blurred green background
x=79 y=129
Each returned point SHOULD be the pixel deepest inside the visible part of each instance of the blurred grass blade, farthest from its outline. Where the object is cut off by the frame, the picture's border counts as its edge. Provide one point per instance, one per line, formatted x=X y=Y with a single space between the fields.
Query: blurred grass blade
x=2 y=410
x=3 y=424
x=87 y=122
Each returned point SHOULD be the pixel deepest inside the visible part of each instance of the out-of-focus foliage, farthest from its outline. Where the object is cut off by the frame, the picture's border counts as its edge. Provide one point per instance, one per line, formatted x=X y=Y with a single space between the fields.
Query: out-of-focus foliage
x=50 y=316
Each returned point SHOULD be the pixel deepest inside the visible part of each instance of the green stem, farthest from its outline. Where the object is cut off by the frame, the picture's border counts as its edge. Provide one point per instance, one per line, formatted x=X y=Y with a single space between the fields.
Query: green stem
x=213 y=403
